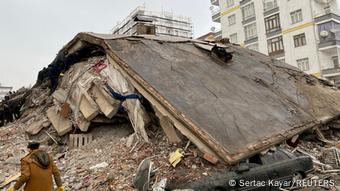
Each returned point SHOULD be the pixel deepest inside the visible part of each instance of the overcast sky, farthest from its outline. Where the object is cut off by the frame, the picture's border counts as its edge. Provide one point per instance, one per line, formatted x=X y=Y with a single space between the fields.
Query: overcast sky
x=33 y=31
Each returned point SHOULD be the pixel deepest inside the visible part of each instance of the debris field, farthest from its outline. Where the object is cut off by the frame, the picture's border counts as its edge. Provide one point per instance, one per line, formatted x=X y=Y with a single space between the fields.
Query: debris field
x=155 y=113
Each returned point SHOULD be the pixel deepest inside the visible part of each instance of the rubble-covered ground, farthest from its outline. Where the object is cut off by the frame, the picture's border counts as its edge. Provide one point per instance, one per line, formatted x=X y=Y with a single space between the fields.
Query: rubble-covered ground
x=119 y=143
x=110 y=163
x=109 y=148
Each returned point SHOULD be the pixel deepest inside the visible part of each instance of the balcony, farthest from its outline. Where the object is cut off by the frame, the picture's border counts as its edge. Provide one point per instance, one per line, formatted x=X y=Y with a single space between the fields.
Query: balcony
x=331 y=72
x=269 y=5
x=277 y=54
x=243 y=2
x=327 y=14
x=329 y=34
x=215 y=2
x=330 y=41
x=216 y=15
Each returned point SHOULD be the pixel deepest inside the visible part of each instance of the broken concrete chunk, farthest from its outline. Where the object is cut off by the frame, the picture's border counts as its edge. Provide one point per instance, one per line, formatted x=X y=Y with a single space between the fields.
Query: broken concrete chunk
x=60 y=95
x=100 y=165
x=106 y=105
x=130 y=140
x=88 y=107
x=82 y=123
x=46 y=124
x=62 y=125
x=36 y=126
x=213 y=160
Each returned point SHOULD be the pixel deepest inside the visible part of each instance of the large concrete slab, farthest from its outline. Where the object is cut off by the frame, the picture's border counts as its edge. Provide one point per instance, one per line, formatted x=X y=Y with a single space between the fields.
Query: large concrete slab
x=237 y=109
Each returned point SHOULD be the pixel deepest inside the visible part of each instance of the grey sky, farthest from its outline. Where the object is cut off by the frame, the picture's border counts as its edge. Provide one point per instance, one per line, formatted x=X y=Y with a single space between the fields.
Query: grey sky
x=33 y=31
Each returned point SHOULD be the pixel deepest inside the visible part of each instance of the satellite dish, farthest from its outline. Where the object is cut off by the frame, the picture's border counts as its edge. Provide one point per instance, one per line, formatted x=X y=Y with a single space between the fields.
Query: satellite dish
x=212 y=29
x=324 y=33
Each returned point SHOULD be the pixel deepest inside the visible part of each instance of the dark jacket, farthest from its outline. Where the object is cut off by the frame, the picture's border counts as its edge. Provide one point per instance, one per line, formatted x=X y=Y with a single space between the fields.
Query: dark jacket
x=37 y=169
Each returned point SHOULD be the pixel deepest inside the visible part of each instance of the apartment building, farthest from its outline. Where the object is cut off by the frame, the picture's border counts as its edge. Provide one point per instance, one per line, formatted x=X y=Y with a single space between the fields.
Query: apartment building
x=162 y=23
x=4 y=91
x=302 y=33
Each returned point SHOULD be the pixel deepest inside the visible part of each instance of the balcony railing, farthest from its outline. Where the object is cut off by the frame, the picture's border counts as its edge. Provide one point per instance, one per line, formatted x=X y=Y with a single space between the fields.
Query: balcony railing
x=328 y=71
x=216 y=14
x=327 y=11
x=269 y=5
x=215 y=2
x=333 y=38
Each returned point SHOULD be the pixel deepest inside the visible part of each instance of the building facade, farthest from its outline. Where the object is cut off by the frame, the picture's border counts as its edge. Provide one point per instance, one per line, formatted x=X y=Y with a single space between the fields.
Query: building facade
x=163 y=23
x=4 y=91
x=211 y=37
x=302 y=33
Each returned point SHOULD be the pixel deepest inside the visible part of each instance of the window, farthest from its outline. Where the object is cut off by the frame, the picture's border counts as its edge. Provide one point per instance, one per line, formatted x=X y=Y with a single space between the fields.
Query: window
x=233 y=38
x=168 y=30
x=299 y=40
x=248 y=11
x=269 y=4
x=335 y=61
x=272 y=23
x=232 y=19
x=303 y=64
x=230 y=3
x=275 y=45
x=250 y=31
x=253 y=47
x=296 y=16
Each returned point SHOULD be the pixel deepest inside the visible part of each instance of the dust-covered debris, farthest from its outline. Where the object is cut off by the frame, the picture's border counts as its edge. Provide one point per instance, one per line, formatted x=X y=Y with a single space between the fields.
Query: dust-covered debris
x=104 y=105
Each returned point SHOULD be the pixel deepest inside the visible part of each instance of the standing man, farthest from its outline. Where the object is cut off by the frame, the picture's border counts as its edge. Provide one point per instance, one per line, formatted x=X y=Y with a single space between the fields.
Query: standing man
x=37 y=169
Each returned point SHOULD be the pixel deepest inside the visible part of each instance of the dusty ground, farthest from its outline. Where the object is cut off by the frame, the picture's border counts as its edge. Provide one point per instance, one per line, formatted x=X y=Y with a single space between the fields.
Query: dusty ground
x=109 y=148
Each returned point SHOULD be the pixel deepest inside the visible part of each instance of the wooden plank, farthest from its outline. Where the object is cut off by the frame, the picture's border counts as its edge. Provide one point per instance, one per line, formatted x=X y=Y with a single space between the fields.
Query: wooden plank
x=79 y=140
x=168 y=128
x=61 y=125
x=9 y=180
x=88 y=107
x=104 y=103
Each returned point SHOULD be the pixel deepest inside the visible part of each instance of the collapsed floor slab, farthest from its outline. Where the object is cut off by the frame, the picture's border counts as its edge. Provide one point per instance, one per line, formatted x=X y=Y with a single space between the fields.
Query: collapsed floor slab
x=231 y=110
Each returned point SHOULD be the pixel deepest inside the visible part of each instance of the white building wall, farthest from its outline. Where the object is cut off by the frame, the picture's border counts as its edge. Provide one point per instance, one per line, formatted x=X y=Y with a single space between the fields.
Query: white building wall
x=166 y=23
x=236 y=28
x=310 y=10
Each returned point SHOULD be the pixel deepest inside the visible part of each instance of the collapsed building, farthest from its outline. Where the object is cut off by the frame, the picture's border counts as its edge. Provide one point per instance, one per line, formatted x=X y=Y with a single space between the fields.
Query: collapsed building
x=229 y=102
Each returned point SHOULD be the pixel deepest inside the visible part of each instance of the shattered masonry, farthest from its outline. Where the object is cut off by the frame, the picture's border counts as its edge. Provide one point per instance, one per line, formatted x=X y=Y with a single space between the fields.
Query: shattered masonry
x=230 y=102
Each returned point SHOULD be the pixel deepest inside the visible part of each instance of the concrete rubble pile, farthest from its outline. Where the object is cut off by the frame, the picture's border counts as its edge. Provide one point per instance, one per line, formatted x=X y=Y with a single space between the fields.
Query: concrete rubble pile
x=145 y=113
